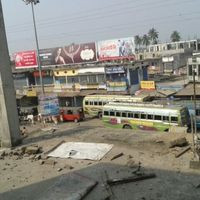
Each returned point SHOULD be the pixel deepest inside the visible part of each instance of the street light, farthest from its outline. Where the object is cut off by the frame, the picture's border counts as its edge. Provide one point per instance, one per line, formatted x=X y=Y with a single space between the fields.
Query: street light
x=34 y=2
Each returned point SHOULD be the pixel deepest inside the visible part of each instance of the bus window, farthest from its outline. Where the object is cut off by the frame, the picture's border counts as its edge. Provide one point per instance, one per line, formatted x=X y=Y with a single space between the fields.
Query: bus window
x=100 y=103
x=95 y=103
x=158 y=117
x=104 y=103
x=174 y=119
x=136 y=115
x=165 y=118
x=130 y=115
x=149 y=116
x=124 y=114
x=106 y=113
x=91 y=102
x=86 y=103
x=112 y=113
x=118 y=114
x=143 y=116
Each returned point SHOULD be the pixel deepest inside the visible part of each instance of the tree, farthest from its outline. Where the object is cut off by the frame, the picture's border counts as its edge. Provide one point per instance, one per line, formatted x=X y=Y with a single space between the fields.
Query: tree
x=138 y=41
x=153 y=36
x=175 y=36
x=145 y=40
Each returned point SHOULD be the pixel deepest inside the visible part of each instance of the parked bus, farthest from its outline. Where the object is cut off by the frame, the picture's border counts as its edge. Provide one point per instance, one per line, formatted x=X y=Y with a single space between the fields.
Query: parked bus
x=145 y=116
x=93 y=104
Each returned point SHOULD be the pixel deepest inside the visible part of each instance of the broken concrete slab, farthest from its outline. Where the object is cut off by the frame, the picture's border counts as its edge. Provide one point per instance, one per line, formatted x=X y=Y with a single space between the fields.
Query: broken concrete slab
x=69 y=187
x=81 y=150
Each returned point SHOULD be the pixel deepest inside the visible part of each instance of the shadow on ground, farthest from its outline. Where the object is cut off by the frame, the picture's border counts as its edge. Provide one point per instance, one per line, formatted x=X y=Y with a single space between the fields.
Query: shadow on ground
x=49 y=135
x=168 y=185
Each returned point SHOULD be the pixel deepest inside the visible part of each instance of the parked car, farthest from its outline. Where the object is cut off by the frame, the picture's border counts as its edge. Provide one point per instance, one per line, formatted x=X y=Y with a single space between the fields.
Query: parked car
x=75 y=114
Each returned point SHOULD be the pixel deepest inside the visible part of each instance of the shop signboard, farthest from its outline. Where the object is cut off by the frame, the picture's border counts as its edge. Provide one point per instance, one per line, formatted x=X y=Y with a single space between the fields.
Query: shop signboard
x=114 y=70
x=71 y=54
x=116 y=49
x=25 y=59
x=147 y=85
x=49 y=105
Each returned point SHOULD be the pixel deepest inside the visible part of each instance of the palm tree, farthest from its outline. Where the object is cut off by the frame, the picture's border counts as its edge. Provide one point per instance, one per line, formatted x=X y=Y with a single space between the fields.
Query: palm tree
x=138 y=41
x=145 y=40
x=153 y=35
x=175 y=36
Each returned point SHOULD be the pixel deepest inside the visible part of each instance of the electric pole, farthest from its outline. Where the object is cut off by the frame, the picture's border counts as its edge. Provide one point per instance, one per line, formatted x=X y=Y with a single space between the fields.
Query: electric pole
x=9 y=121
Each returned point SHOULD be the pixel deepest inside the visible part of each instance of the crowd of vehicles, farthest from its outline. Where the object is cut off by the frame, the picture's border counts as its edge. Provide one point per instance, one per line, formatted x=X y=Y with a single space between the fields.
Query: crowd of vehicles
x=128 y=112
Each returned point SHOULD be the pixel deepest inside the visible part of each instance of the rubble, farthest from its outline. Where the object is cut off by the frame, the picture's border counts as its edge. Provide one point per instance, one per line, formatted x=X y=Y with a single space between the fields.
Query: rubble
x=179 y=142
x=180 y=153
x=32 y=150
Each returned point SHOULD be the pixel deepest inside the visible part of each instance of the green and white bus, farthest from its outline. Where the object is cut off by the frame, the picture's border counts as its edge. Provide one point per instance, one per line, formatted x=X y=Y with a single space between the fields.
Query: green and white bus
x=93 y=104
x=145 y=116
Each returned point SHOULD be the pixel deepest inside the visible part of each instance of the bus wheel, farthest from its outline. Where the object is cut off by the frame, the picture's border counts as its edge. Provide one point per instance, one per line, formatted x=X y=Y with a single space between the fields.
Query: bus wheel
x=75 y=120
x=100 y=115
x=127 y=126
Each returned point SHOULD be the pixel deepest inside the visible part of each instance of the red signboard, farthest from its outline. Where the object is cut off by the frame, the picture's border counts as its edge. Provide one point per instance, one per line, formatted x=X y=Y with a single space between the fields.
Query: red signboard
x=25 y=59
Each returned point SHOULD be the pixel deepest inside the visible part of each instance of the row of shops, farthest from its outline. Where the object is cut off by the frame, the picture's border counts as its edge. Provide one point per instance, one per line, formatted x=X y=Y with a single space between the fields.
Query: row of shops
x=116 y=78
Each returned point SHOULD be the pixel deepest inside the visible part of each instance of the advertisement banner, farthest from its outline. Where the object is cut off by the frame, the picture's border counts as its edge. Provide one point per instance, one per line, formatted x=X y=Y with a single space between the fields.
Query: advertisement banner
x=49 y=105
x=148 y=85
x=116 y=49
x=72 y=54
x=25 y=59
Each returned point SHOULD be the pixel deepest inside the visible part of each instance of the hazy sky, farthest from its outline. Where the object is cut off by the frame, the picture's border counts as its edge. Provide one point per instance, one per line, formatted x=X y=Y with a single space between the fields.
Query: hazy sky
x=62 y=22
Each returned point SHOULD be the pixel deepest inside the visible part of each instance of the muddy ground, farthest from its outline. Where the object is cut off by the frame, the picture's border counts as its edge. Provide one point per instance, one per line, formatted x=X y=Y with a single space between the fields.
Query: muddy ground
x=23 y=177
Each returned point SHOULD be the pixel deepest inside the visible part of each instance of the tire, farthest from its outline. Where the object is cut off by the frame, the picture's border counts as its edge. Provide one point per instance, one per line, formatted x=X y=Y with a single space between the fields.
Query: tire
x=127 y=126
x=75 y=120
x=100 y=115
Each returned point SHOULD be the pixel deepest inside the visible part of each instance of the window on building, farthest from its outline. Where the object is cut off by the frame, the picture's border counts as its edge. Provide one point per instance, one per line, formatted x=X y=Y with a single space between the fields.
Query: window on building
x=101 y=78
x=72 y=79
x=158 y=117
x=83 y=79
x=92 y=79
x=112 y=113
x=106 y=113
x=181 y=46
x=199 y=69
x=47 y=80
x=169 y=47
x=60 y=79
x=174 y=119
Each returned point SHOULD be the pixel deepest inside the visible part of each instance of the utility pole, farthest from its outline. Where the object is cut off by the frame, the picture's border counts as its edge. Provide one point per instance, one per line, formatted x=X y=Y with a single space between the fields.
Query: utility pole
x=35 y=2
x=9 y=121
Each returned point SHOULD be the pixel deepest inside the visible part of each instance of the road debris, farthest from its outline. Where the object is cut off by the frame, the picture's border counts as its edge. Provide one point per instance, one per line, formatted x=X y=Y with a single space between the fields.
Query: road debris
x=179 y=142
x=180 y=153
x=118 y=181
x=117 y=156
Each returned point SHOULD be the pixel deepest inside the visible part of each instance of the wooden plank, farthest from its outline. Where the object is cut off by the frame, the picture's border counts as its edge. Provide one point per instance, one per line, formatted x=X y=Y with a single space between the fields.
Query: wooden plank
x=182 y=152
x=117 y=156
x=130 y=179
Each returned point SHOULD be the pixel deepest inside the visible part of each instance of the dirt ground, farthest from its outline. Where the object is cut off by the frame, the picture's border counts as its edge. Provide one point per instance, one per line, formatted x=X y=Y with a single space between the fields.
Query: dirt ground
x=174 y=178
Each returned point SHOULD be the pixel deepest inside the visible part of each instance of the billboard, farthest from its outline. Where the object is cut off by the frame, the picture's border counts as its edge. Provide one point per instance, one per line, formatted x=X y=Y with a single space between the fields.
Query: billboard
x=25 y=59
x=116 y=49
x=72 y=54
x=49 y=105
